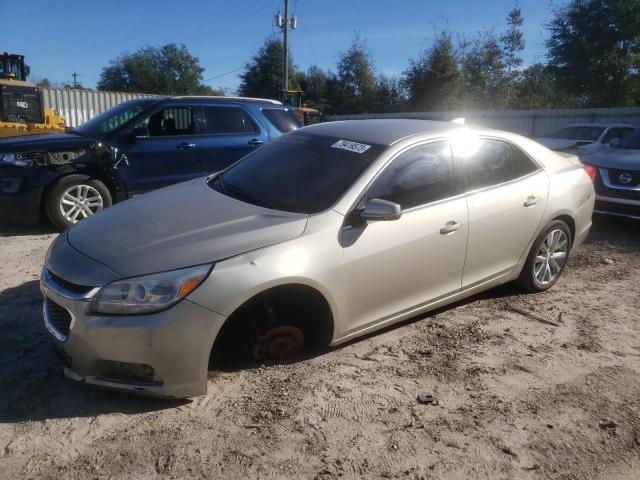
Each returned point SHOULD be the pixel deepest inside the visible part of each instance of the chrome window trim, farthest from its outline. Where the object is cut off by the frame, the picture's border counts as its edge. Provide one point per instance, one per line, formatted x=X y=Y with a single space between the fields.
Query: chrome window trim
x=604 y=174
x=508 y=182
x=50 y=283
x=456 y=166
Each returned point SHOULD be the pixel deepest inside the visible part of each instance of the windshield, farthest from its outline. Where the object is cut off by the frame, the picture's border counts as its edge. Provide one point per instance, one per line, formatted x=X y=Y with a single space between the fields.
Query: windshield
x=298 y=172
x=579 y=132
x=114 y=117
x=631 y=141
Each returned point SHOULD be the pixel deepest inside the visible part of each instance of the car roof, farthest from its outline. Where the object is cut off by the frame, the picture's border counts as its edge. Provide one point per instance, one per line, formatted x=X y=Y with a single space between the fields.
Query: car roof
x=385 y=131
x=226 y=99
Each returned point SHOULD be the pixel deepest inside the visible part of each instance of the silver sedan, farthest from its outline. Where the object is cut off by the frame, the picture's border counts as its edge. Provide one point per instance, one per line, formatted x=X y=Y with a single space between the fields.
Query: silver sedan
x=324 y=235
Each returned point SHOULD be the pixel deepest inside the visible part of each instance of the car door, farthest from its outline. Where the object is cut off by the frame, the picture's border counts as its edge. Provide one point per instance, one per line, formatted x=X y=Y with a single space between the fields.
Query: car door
x=507 y=200
x=161 y=150
x=229 y=134
x=394 y=266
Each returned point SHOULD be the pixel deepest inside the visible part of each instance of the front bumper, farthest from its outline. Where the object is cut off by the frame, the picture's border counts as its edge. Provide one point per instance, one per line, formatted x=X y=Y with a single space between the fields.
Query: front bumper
x=163 y=354
x=19 y=201
x=618 y=207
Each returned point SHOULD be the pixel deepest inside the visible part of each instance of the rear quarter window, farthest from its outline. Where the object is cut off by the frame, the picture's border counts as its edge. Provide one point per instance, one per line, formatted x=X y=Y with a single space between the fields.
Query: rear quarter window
x=227 y=121
x=284 y=120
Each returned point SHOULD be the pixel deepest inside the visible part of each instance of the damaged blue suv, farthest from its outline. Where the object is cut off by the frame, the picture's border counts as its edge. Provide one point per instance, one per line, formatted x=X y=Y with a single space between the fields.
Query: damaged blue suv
x=132 y=148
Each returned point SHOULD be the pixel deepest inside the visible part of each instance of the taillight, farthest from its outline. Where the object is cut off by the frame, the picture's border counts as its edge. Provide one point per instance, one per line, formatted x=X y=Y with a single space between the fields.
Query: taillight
x=591 y=171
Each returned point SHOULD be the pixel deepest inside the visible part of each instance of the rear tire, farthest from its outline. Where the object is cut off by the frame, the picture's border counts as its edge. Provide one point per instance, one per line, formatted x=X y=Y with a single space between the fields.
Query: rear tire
x=547 y=258
x=75 y=197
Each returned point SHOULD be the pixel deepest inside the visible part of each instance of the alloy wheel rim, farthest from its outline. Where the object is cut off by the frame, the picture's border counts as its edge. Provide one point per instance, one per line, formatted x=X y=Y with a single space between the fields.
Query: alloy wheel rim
x=79 y=202
x=550 y=257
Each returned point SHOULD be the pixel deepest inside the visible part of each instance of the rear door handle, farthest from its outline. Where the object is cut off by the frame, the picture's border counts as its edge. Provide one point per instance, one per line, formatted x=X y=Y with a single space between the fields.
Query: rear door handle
x=255 y=142
x=185 y=146
x=450 y=227
x=530 y=201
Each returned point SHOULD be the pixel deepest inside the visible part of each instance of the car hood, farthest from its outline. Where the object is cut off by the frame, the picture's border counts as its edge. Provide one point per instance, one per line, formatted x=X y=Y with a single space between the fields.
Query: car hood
x=179 y=226
x=44 y=141
x=618 y=158
x=560 y=143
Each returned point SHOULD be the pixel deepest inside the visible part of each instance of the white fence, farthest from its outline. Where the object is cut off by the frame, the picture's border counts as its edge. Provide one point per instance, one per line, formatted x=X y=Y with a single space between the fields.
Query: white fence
x=533 y=123
x=78 y=106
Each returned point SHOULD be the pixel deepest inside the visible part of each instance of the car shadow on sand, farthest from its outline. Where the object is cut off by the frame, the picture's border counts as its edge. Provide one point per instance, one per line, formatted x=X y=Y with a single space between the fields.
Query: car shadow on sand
x=32 y=384
x=8 y=229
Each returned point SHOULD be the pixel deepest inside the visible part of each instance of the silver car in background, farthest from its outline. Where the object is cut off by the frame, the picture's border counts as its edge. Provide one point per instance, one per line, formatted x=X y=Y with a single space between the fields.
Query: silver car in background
x=585 y=138
x=324 y=235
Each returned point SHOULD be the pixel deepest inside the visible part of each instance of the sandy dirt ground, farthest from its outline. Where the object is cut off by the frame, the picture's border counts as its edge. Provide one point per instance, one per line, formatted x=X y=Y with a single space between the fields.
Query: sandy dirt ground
x=525 y=386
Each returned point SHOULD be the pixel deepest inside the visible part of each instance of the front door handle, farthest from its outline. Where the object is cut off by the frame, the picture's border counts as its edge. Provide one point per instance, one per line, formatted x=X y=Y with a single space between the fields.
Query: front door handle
x=450 y=227
x=185 y=146
x=255 y=142
x=530 y=201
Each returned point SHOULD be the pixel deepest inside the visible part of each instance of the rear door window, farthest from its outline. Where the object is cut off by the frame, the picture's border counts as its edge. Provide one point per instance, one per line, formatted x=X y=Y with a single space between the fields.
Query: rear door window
x=284 y=120
x=227 y=121
x=417 y=177
x=492 y=164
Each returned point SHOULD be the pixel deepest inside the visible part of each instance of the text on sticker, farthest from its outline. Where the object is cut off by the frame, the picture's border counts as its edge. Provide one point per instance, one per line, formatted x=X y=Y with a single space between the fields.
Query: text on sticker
x=351 y=146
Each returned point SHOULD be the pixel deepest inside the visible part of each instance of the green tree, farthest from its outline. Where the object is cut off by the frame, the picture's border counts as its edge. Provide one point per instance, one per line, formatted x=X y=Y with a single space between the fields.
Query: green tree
x=594 y=51
x=262 y=76
x=388 y=96
x=352 y=88
x=534 y=88
x=314 y=83
x=483 y=72
x=167 y=70
x=432 y=81
x=513 y=43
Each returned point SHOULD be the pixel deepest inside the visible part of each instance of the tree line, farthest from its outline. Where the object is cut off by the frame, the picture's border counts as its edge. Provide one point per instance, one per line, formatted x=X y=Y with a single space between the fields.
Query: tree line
x=592 y=59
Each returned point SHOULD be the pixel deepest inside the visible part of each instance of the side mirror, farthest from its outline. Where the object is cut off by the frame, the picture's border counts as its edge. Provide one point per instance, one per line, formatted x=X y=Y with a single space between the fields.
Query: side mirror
x=614 y=142
x=377 y=209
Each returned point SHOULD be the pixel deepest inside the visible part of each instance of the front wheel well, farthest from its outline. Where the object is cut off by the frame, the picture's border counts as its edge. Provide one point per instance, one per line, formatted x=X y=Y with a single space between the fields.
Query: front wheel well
x=296 y=304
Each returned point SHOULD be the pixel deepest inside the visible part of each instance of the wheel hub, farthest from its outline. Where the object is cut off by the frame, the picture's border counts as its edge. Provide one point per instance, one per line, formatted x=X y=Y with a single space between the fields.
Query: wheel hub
x=283 y=341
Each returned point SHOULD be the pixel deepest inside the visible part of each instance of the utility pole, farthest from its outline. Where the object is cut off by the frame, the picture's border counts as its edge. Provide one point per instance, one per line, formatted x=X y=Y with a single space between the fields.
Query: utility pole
x=284 y=22
x=285 y=43
x=75 y=79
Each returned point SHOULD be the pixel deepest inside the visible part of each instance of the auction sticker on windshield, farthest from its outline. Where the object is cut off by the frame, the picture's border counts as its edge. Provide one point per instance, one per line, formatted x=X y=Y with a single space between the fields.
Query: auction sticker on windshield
x=351 y=146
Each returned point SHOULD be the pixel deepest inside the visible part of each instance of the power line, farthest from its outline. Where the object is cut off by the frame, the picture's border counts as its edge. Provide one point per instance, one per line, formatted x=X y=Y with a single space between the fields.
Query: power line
x=236 y=8
x=223 y=74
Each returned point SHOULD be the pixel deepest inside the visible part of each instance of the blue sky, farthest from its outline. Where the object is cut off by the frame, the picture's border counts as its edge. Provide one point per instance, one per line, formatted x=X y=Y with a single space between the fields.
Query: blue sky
x=61 y=37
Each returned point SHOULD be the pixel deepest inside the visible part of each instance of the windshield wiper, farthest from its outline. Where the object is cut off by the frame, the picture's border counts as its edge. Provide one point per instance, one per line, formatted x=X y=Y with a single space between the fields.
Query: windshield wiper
x=242 y=195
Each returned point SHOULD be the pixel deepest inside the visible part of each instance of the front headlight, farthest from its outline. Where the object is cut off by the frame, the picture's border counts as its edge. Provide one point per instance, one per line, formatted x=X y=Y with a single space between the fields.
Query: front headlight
x=150 y=293
x=17 y=159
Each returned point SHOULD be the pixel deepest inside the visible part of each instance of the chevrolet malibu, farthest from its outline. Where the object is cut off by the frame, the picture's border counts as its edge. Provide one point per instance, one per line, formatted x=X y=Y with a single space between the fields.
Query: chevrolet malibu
x=324 y=235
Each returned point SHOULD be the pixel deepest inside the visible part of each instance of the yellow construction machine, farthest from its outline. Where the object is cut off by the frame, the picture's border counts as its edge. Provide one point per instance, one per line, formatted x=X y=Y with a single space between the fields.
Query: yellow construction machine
x=22 y=110
x=295 y=99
